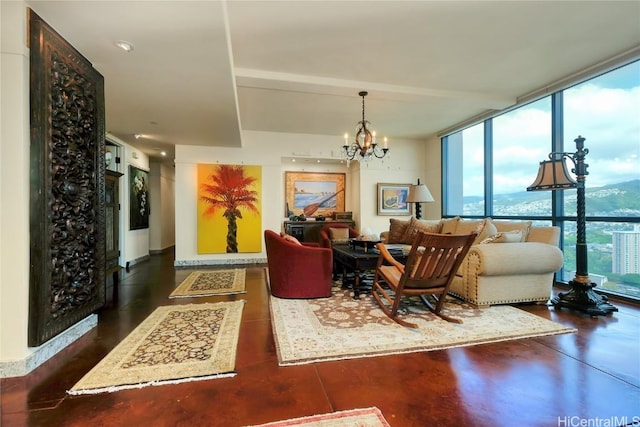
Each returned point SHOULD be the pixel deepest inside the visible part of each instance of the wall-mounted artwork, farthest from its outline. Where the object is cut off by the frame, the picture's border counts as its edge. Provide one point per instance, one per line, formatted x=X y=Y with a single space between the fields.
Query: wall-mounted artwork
x=314 y=193
x=229 y=206
x=392 y=199
x=138 y=198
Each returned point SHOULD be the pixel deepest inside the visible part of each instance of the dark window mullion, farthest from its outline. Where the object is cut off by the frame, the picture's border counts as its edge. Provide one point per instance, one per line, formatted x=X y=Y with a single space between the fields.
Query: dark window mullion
x=488 y=167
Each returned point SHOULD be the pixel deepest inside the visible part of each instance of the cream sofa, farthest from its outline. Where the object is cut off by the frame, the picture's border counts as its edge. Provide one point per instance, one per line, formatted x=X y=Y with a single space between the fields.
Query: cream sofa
x=509 y=262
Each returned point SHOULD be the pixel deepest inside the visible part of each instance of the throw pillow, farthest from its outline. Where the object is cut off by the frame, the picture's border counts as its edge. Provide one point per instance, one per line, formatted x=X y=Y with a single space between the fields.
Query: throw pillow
x=449 y=225
x=339 y=235
x=491 y=239
x=488 y=229
x=397 y=227
x=290 y=238
x=482 y=227
x=504 y=237
x=514 y=226
x=416 y=225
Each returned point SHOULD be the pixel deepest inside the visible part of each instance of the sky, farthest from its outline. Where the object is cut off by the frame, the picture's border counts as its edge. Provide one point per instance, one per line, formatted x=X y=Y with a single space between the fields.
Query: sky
x=604 y=110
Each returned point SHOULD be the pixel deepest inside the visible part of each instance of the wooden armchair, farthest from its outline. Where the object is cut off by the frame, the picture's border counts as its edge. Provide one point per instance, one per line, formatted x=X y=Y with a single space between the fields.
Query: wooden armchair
x=431 y=266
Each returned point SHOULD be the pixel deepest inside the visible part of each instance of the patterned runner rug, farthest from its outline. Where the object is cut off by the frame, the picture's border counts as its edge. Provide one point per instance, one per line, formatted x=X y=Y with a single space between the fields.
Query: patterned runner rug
x=368 y=417
x=177 y=343
x=206 y=283
x=307 y=331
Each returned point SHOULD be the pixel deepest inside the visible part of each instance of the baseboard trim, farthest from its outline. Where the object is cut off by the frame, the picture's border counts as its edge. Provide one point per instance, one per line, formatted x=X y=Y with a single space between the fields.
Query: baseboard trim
x=206 y=262
x=137 y=261
x=39 y=355
x=162 y=251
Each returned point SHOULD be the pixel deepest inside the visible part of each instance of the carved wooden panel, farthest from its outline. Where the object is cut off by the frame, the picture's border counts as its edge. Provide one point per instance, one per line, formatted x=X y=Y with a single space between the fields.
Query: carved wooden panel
x=67 y=275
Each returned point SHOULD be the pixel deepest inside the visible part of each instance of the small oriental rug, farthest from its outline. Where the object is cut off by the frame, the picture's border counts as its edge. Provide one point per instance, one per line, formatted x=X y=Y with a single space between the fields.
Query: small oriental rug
x=339 y=327
x=368 y=417
x=206 y=283
x=174 y=344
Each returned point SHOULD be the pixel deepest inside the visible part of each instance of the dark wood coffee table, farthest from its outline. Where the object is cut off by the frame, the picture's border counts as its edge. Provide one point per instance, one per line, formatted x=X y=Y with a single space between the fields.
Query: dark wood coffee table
x=357 y=260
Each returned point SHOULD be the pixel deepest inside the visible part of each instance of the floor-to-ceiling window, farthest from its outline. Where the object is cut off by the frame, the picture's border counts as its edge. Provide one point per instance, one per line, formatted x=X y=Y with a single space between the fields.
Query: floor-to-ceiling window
x=520 y=136
x=465 y=190
x=488 y=166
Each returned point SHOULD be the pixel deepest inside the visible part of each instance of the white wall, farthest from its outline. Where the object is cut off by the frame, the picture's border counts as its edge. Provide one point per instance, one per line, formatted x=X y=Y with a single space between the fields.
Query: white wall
x=433 y=178
x=405 y=164
x=14 y=182
x=162 y=198
x=136 y=242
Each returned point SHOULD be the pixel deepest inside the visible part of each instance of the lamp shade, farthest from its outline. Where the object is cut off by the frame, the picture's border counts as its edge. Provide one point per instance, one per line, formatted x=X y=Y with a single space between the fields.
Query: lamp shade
x=419 y=194
x=553 y=175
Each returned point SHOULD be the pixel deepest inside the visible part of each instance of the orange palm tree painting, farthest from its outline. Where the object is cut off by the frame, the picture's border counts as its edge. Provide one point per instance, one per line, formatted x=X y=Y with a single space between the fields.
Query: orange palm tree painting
x=229 y=208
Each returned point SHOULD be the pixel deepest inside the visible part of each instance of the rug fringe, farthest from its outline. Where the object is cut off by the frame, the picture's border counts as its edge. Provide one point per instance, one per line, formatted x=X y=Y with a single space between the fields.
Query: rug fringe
x=414 y=350
x=207 y=294
x=111 y=389
x=347 y=412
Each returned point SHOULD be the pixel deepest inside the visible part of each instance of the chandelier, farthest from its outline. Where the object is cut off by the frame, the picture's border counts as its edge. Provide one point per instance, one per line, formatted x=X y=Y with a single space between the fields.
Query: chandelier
x=364 y=147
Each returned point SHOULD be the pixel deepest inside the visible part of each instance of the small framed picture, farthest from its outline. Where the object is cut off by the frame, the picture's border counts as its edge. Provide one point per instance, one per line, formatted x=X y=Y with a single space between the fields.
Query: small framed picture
x=392 y=199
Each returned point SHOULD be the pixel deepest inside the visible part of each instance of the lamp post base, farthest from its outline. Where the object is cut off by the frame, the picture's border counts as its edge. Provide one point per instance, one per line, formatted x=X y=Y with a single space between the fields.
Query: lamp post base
x=582 y=297
x=418 y=211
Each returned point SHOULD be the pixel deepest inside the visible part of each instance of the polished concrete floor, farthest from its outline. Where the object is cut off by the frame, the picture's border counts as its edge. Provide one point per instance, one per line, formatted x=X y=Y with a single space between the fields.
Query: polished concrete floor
x=588 y=378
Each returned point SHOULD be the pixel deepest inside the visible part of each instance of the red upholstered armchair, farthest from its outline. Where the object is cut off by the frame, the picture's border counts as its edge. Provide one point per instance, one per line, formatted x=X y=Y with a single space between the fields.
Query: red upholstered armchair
x=297 y=270
x=325 y=233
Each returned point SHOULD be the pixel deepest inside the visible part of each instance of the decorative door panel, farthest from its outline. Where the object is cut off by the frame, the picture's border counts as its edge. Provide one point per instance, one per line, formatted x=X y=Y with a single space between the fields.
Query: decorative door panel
x=67 y=272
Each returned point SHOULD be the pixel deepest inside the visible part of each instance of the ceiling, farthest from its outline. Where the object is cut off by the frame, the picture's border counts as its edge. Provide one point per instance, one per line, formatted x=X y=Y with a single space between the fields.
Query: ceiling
x=201 y=72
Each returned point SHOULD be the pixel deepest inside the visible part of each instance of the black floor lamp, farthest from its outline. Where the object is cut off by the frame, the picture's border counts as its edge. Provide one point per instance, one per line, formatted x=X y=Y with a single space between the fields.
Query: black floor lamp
x=419 y=194
x=553 y=175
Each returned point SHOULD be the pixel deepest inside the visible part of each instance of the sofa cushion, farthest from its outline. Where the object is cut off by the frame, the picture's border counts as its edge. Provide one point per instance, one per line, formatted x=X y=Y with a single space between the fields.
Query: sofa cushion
x=544 y=234
x=416 y=225
x=449 y=225
x=397 y=227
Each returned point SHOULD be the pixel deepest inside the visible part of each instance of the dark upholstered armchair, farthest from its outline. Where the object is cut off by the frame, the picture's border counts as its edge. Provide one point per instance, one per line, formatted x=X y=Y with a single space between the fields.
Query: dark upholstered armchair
x=325 y=233
x=297 y=270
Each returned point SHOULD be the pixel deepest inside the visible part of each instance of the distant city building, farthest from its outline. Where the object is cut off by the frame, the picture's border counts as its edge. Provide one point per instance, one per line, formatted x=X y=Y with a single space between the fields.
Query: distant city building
x=626 y=252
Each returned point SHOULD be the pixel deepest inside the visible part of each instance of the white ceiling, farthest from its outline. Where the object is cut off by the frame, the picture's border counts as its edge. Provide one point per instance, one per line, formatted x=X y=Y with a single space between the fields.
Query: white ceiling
x=203 y=71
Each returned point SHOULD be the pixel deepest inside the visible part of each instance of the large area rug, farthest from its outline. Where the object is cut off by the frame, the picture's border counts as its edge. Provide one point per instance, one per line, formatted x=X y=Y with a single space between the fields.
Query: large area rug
x=340 y=327
x=206 y=283
x=367 y=417
x=174 y=344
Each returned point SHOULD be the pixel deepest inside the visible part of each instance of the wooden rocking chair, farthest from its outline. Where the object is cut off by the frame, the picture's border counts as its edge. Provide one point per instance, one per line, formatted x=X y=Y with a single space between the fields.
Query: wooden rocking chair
x=430 y=267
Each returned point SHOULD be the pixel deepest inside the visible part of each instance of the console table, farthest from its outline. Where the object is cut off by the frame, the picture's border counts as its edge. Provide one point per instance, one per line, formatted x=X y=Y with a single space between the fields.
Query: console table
x=309 y=231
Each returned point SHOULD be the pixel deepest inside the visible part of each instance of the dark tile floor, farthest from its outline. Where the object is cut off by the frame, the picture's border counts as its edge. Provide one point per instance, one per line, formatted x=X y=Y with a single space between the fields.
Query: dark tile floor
x=592 y=376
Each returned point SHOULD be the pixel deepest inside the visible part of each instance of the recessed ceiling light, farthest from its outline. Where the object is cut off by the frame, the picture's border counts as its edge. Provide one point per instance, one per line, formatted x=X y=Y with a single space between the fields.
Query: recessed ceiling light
x=163 y=153
x=137 y=136
x=124 y=45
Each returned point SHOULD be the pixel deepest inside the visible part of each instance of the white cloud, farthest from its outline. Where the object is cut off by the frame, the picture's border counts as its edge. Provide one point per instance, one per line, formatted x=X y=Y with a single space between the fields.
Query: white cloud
x=608 y=118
